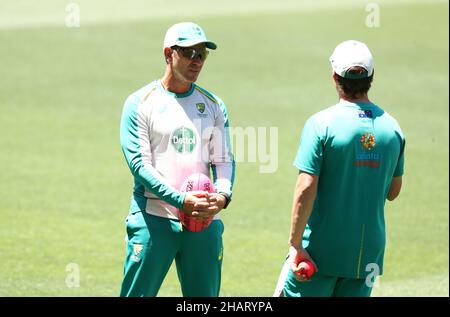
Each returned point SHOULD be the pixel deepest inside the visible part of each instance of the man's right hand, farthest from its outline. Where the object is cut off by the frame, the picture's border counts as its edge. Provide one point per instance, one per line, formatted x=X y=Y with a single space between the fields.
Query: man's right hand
x=197 y=205
x=297 y=255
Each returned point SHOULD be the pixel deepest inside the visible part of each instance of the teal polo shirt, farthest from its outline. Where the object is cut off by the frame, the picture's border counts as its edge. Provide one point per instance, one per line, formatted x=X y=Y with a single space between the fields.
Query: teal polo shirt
x=355 y=149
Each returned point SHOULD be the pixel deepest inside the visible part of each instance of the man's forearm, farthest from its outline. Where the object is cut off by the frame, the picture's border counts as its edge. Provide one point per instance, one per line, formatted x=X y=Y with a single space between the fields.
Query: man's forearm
x=304 y=196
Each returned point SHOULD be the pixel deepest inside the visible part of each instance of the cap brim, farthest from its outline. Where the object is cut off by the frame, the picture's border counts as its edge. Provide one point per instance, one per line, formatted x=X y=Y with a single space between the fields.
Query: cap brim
x=209 y=44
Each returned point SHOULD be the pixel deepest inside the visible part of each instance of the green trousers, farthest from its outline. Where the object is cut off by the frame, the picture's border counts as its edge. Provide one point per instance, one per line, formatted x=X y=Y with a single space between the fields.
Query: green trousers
x=152 y=245
x=326 y=286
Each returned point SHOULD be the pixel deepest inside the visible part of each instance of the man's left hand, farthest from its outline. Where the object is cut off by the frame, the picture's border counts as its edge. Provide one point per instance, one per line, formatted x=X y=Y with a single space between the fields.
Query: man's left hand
x=216 y=201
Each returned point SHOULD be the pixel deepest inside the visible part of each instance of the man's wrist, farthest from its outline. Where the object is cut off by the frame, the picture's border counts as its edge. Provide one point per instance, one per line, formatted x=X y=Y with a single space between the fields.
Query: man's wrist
x=227 y=199
x=295 y=243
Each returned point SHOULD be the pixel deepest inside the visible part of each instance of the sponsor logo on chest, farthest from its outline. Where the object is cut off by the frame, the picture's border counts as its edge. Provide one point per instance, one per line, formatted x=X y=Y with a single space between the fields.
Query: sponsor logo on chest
x=184 y=140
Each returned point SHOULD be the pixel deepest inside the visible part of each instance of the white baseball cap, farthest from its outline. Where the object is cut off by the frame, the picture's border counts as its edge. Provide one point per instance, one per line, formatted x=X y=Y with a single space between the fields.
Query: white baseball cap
x=349 y=54
x=186 y=34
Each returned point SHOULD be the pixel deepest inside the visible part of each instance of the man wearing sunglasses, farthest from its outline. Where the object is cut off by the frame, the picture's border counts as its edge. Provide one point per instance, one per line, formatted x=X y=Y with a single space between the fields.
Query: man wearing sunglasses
x=171 y=129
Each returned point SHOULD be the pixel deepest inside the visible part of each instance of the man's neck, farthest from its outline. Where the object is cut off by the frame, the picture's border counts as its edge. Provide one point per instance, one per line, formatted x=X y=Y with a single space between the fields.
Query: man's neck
x=171 y=84
x=361 y=98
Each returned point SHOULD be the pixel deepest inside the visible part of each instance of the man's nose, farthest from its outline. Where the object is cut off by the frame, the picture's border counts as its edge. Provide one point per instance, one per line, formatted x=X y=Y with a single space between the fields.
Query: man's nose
x=197 y=61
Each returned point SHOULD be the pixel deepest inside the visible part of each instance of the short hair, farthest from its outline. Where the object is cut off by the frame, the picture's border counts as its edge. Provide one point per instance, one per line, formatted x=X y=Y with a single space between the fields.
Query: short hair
x=353 y=87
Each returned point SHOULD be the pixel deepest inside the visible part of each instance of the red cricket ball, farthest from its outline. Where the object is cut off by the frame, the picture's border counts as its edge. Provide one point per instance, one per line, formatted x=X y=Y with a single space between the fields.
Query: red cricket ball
x=306 y=268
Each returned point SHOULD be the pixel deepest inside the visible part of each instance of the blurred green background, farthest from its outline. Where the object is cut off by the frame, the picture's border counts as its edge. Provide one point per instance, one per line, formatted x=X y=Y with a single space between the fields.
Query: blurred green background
x=65 y=187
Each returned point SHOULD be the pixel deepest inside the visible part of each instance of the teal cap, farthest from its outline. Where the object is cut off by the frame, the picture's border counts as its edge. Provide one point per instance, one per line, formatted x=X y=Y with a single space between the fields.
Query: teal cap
x=186 y=34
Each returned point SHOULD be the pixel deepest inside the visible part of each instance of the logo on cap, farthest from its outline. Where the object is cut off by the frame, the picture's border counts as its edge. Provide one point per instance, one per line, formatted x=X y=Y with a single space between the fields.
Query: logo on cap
x=198 y=31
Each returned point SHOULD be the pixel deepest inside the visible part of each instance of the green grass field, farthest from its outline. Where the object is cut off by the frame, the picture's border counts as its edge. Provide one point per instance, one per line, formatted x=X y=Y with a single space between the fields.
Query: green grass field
x=64 y=185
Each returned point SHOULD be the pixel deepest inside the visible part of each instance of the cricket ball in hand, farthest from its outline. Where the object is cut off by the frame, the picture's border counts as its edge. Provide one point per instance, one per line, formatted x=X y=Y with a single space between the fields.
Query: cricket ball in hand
x=196 y=182
x=306 y=268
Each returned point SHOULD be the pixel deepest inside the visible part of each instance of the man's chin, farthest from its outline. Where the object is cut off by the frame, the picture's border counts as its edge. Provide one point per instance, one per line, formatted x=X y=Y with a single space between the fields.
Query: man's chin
x=192 y=79
x=192 y=76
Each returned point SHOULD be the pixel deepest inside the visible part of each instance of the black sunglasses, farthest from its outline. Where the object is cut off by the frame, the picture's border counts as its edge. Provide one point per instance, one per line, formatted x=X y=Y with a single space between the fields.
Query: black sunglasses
x=192 y=53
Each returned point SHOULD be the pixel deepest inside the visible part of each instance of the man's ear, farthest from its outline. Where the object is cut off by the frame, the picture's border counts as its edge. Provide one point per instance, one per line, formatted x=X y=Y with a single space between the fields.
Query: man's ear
x=334 y=77
x=168 y=55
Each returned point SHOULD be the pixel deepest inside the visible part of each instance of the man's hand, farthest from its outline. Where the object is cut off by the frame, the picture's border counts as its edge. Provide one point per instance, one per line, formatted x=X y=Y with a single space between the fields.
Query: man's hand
x=202 y=205
x=298 y=255
x=217 y=200
x=195 y=202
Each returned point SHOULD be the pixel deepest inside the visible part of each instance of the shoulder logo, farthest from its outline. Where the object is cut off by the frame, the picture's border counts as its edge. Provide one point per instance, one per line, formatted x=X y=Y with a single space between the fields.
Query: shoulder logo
x=200 y=107
x=365 y=114
x=368 y=141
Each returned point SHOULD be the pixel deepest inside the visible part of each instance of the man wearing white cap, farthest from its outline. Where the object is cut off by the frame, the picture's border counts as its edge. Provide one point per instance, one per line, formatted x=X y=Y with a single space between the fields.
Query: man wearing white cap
x=170 y=129
x=350 y=160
